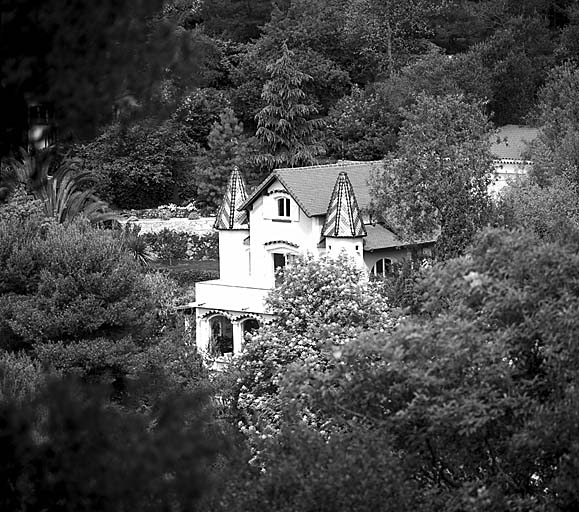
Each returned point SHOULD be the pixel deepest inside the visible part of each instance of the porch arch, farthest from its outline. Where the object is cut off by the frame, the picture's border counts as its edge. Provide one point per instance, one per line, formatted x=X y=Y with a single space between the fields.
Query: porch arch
x=220 y=334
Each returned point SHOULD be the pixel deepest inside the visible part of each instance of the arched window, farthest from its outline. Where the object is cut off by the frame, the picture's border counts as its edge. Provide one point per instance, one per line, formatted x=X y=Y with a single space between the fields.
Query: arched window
x=283 y=207
x=250 y=326
x=382 y=267
x=221 y=341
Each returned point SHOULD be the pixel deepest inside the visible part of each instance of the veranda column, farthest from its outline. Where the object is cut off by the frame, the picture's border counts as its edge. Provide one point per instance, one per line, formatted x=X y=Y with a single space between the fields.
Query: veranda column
x=237 y=336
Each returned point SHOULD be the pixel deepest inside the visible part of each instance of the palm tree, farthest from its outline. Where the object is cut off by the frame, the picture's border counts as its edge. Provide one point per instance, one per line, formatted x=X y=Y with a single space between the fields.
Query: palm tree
x=65 y=189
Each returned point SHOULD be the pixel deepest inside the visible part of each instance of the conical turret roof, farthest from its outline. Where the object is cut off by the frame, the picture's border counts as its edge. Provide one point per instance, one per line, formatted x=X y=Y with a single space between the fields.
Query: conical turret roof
x=229 y=217
x=343 y=217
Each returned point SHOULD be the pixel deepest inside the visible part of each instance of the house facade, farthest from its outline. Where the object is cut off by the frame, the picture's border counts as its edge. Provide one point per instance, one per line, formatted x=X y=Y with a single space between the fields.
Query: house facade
x=318 y=210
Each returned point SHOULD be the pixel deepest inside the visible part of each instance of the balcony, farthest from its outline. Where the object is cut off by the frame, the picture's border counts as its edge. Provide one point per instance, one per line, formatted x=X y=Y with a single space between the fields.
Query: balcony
x=239 y=297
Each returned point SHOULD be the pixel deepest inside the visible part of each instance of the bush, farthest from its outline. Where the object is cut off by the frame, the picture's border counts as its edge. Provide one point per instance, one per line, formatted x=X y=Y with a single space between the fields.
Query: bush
x=321 y=305
x=141 y=165
x=69 y=450
x=70 y=282
x=20 y=376
x=168 y=245
x=172 y=245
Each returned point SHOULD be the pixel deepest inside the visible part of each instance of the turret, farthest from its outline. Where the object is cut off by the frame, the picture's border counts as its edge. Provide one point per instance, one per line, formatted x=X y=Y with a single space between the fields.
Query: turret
x=233 y=227
x=344 y=229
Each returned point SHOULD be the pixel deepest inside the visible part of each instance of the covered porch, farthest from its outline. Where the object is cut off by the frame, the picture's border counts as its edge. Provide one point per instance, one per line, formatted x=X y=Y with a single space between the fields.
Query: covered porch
x=225 y=313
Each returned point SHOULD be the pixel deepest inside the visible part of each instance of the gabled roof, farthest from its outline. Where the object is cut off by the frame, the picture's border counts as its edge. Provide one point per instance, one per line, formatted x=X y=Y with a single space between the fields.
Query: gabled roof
x=343 y=219
x=511 y=141
x=311 y=187
x=229 y=215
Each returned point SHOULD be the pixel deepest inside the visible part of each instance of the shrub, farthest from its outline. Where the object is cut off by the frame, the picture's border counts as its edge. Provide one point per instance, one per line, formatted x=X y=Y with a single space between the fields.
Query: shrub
x=168 y=245
x=203 y=247
x=69 y=450
x=70 y=282
x=20 y=376
x=321 y=304
x=172 y=245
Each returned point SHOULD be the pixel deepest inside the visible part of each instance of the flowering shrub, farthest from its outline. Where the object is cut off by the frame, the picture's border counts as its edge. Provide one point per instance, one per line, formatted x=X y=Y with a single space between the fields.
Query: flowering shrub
x=321 y=305
x=165 y=211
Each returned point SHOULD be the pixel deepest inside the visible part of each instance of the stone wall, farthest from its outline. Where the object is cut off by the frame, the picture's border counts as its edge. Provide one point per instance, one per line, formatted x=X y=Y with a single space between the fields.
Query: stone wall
x=201 y=226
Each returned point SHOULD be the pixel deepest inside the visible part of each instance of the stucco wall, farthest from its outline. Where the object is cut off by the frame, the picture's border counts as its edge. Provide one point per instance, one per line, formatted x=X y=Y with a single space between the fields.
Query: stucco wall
x=266 y=227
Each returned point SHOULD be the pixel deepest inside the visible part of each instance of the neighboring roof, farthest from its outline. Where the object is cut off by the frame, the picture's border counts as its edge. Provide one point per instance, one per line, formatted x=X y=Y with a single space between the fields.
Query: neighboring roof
x=511 y=141
x=379 y=237
x=230 y=216
x=312 y=186
x=343 y=219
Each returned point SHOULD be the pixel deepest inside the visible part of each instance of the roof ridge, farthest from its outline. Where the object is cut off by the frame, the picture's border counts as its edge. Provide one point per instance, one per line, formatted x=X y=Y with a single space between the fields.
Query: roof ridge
x=341 y=163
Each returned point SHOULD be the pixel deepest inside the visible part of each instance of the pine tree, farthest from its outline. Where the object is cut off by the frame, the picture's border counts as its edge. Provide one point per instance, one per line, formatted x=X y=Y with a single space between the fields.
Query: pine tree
x=229 y=148
x=285 y=125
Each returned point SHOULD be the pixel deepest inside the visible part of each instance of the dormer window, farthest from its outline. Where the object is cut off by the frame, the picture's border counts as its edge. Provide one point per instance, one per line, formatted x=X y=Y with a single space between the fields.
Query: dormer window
x=283 y=207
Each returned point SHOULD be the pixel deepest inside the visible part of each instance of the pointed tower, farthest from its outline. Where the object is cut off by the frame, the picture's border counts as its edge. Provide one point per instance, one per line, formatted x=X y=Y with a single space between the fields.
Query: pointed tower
x=344 y=229
x=233 y=227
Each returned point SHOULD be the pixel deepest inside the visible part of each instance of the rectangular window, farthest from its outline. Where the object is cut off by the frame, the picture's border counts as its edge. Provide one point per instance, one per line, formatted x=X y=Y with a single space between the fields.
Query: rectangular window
x=279 y=262
x=283 y=207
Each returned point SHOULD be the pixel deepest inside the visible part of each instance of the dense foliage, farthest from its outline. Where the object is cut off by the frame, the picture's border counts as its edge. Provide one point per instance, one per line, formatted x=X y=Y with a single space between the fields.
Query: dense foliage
x=366 y=60
x=436 y=183
x=451 y=387
x=61 y=282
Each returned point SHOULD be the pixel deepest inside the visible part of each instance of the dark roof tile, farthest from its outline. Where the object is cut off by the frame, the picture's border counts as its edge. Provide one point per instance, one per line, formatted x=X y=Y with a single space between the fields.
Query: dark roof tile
x=312 y=186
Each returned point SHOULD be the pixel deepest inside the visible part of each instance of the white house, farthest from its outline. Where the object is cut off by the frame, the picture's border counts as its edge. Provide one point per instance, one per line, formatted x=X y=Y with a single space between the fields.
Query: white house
x=319 y=210
x=509 y=146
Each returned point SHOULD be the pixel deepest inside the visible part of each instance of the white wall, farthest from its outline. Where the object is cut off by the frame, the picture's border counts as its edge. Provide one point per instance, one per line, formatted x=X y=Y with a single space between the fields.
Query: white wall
x=233 y=255
x=352 y=247
x=505 y=172
x=266 y=226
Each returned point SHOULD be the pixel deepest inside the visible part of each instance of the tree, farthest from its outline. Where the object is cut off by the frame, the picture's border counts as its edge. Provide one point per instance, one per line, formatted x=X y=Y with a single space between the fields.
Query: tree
x=517 y=58
x=551 y=211
x=321 y=304
x=141 y=164
x=86 y=59
x=555 y=153
x=389 y=28
x=70 y=282
x=475 y=394
x=437 y=180
x=364 y=125
x=238 y=21
x=285 y=127
x=64 y=189
x=68 y=449
x=229 y=148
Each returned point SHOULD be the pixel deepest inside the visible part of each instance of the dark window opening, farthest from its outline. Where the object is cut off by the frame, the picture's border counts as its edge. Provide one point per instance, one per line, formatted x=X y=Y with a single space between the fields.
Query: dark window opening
x=221 y=336
x=382 y=267
x=283 y=207
x=250 y=326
